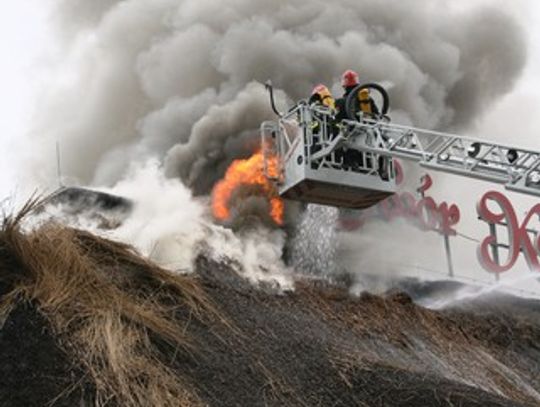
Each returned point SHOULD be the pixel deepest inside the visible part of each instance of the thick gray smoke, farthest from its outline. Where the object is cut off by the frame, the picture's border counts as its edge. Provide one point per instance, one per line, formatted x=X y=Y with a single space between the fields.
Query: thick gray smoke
x=177 y=80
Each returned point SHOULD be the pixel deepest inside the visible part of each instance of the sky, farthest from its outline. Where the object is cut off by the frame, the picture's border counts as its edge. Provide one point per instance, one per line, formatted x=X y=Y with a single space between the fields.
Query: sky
x=29 y=52
x=24 y=41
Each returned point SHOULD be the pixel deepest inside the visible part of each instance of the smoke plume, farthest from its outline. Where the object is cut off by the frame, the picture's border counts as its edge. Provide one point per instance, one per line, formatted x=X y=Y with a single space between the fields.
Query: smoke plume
x=178 y=80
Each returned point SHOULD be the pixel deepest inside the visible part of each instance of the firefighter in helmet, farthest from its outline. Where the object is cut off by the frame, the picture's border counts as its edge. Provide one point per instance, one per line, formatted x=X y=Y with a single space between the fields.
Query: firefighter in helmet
x=365 y=103
x=321 y=96
x=351 y=159
x=349 y=81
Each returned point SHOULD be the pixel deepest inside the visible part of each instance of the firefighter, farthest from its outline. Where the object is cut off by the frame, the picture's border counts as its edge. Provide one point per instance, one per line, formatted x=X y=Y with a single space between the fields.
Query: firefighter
x=370 y=111
x=351 y=159
x=367 y=104
x=349 y=81
x=322 y=96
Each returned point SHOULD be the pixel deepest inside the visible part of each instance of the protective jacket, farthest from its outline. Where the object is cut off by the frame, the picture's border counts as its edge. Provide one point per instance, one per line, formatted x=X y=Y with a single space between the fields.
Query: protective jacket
x=340 y=104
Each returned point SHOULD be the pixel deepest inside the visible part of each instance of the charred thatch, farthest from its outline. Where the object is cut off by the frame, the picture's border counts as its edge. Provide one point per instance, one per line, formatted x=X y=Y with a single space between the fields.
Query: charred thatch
x=85 y=320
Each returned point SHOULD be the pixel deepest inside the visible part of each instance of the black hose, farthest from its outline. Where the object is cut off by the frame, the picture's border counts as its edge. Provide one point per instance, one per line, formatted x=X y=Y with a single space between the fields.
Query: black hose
x=270 y=89
x=351 y=104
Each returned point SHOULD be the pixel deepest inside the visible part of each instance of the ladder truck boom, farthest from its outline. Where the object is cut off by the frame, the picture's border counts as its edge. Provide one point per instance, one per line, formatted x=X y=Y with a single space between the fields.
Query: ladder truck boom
x=518 y=169
x=350 y=163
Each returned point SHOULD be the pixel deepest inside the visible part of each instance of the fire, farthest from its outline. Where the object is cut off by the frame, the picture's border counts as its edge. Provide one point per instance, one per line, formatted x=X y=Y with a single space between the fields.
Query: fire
x=247 y=172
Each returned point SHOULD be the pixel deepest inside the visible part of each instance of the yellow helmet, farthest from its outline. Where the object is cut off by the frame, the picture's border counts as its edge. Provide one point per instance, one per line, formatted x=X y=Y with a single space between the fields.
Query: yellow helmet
x=321 y=90
x=363 y=94
x=326 y=96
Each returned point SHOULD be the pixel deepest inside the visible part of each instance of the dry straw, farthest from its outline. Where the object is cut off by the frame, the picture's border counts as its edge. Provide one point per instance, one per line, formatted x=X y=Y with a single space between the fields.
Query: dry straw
x=106 y=305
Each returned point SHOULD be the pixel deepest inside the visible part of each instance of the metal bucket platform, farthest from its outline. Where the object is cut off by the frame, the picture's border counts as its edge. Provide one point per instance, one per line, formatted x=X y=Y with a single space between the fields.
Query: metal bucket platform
x=339 y=188
x=314 y=166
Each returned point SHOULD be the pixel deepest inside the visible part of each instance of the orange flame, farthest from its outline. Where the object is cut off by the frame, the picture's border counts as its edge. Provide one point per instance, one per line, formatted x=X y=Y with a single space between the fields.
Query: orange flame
x=247 y=172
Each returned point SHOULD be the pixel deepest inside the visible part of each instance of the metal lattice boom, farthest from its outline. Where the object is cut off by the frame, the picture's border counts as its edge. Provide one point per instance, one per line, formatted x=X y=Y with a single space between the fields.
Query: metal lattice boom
x=349 y=163
x=518 y=169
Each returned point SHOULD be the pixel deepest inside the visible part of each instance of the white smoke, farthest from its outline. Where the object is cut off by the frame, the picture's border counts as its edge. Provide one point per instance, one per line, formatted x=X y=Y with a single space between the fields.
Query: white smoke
x=164 y=215
x=470 y=293
x=172 y=228
x=380 y=253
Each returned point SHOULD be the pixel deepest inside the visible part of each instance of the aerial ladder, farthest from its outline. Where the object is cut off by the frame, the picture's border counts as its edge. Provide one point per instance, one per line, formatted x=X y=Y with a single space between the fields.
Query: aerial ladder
x=350 y=163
